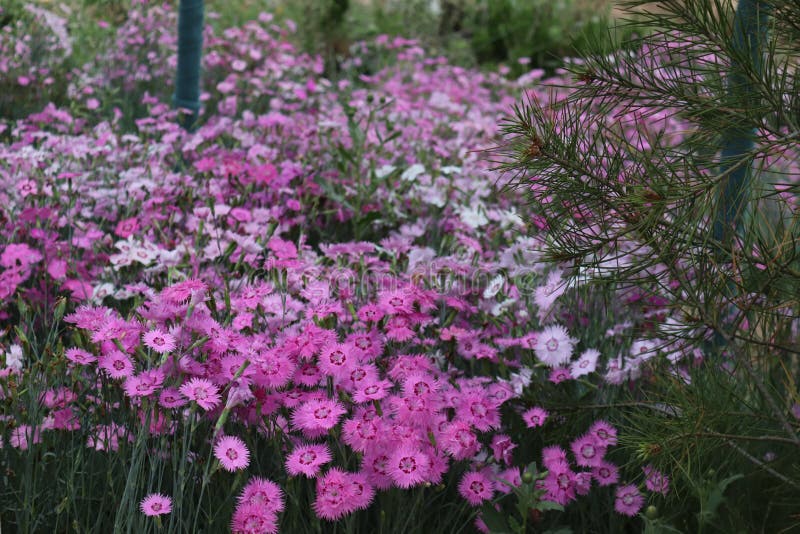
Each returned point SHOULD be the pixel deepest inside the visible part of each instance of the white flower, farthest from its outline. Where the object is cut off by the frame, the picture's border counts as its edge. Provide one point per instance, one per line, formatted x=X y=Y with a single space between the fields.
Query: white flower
x=473 y=217
x=412 y=172
x=554 y=346
x=587 y=363
x=494 y=287
x=450 y=169
x=14 y=357
x=384 y=171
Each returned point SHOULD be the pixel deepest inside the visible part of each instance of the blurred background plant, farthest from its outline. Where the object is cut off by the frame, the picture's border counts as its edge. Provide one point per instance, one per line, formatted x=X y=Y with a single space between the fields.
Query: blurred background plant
x=519 y=34
x=634 y=167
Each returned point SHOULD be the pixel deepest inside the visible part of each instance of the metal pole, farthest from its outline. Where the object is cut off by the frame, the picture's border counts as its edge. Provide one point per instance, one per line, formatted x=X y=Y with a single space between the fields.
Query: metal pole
x=190 y=51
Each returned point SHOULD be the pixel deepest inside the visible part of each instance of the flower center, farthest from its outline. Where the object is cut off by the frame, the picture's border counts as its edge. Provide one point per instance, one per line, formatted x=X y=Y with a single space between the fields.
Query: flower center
x=408 y=465
x=321 y=413
x=476 y=487
x=552 y=344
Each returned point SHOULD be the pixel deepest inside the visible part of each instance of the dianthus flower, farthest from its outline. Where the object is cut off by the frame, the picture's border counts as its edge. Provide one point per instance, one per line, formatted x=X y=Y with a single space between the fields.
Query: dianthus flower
x=628 y=500
x=263 y=493
x=316 y=417
x=534 y=417
x=655 y=480
x=232 y=453
x=159 y=341
x=476 y=488
x=554 y=346
x=203 y=392
x=588 y=451
x=307 y=460
x=156 y=504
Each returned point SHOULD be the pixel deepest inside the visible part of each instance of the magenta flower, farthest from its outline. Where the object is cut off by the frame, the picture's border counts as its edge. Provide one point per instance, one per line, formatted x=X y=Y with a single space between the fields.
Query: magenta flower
x=628 y=500
x=560 y=483
x=655 y=480
x=263 y=493
x=336 y=360
x=476 y=488
x=203 y=392
x=605 y=434
x=535 y=417
x=588 y=451
x=408 y=467
x=253 y=519
x=232 y=453
x=334 y=495
x=80 y=356
x=307 y=460
x=372 y=391
x=159 y=341
x=361 y=491
x=315 y=417
x=605 y=473
x=171 y=398
x=144 y=384
x=156 y=504
x=459 y=441
x=117 y=364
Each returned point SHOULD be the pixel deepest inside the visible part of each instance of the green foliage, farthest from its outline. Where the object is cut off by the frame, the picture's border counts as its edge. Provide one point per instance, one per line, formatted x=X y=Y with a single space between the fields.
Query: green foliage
x=640 y=148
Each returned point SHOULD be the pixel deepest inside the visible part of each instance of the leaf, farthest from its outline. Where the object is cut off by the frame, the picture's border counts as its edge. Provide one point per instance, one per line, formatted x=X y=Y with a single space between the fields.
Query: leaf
x=709 y=505
x=495 y=520
x=657 y=527
x=544 y=506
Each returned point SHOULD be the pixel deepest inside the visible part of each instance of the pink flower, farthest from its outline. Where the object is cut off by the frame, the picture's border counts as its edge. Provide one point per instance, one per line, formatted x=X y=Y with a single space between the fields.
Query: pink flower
x=553 y=455
x=628 y=500
x=232 y=453
x=372 y=391
x=604 y=433
x=253 y=519
x=502 y=447
x=560 y=483
x=117 y=364
x=171 y=398
x=459 y=441
x=19 y=255
x=508 y=479
x=203 y=392
x=476 y=488
x=126 y=227
x=263 y=493
x=408 y=467
x=334 y=495
x=605 y=473
x=560 y=375
x=156 y=504
x=588 y=451
x=307 y=460
x=79 y=356
x=336 y=360
x=655 y=481
x=554 y=346
x=314 y=418
x=159 y=341
x=144 y=384
x=534 y=417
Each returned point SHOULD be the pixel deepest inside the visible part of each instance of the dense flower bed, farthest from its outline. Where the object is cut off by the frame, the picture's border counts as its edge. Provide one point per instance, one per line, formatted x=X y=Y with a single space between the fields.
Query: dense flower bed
x=327 y=266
